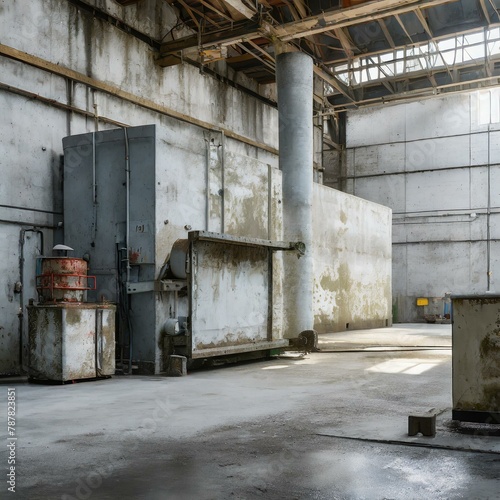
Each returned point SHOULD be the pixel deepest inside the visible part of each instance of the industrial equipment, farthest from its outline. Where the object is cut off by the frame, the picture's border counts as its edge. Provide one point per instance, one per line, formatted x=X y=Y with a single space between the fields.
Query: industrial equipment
x=476 y=358
x=69 y=339
x=131 y=200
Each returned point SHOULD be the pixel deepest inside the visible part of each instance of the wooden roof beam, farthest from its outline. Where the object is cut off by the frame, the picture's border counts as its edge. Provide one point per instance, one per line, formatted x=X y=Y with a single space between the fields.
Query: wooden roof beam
x=190 y=12
x=485 y=11
x=495 y=9
x=325 y=21
x=262 y=51
x=400 y=22
x=301 y=8
x=363 y=13
x=345 y=41
x=402 y=47
x=216 y=10
x=241 y=8
x=239 y=33
x=424 y=23
x=335 y=83
x=423 y=93
x=387 y=35
x=259 y=58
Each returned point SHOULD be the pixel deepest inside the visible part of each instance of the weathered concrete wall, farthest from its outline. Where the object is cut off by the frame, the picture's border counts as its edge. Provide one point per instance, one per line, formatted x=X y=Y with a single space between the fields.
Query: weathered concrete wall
x=352 y=262
x=39 y=107
x=436 y=163
x=32 y=128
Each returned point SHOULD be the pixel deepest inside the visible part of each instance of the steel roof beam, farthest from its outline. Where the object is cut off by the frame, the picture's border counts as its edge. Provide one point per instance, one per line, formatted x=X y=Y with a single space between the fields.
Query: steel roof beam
x=424 y=72
x=485 y=11
x=495 y=9
x=240 y=8
x=345 y=41
x=339 y=62
x=320 y=23
x=419 y=94
x=424 y=23
x=454 y=76
x=335 y=83
x=371 y=11
x=387 y=35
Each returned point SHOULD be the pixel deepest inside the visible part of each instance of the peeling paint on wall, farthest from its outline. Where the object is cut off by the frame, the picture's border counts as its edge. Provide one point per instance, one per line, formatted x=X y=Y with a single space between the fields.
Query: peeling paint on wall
x=352 y=262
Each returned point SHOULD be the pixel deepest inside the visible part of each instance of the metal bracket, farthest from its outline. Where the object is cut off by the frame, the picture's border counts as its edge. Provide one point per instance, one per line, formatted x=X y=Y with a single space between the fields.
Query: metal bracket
x=228 y=239
x=156 y=286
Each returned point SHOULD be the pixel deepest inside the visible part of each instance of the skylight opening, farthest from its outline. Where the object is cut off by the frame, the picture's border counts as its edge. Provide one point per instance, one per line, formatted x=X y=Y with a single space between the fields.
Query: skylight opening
x=447 y=53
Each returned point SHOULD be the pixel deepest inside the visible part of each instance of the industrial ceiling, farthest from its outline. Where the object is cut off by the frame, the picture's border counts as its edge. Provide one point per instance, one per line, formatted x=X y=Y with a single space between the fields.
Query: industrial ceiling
x=366 y=52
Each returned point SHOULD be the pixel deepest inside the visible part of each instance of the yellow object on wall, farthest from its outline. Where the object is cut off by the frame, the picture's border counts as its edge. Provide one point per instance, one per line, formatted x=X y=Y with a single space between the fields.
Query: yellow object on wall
x=422 y=302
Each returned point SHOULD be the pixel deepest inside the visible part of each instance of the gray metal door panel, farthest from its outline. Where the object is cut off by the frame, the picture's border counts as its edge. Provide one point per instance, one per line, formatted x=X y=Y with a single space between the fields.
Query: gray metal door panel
x=95 y=200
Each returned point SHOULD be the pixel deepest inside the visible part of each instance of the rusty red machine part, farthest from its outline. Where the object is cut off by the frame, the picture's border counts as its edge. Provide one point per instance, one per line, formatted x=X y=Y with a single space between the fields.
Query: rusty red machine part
x=64 y=279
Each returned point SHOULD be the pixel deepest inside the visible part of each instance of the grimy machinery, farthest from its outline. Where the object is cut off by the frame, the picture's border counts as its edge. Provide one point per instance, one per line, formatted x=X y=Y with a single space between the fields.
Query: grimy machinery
x=191 y=256
x=69 y=338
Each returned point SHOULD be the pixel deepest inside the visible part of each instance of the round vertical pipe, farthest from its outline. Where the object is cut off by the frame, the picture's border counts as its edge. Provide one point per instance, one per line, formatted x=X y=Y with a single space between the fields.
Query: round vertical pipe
x=127 y=244
x=127 y=184
x=207 y=181
x=223 y=182
x=294 y=74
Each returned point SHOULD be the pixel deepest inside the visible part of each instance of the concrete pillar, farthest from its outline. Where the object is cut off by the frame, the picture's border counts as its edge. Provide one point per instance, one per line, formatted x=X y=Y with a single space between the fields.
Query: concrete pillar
x=294 y=73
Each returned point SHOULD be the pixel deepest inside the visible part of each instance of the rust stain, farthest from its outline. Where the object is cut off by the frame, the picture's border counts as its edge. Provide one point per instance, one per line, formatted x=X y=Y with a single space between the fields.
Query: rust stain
x=63 y=279
x=134 y=257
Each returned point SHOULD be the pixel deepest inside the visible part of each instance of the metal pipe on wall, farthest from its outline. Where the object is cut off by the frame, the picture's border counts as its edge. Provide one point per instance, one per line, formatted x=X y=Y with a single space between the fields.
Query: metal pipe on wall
x=207 y=180
x=29 y=223
x=488 y=213
x=223 y=187
x=127 y=184
x=22 y=234
x=294 y=76
x=94 y=189
x=127 y=244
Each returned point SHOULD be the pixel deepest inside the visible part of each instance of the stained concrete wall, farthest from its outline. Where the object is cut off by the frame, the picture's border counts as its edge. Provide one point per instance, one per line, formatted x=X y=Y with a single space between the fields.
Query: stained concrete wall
x=352 y=262
x=39 y=107
x=32 y=130
x=436 y=163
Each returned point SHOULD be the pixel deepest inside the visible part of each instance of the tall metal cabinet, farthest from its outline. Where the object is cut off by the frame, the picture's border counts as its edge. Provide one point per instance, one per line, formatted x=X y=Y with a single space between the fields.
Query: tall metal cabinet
x=109 y=206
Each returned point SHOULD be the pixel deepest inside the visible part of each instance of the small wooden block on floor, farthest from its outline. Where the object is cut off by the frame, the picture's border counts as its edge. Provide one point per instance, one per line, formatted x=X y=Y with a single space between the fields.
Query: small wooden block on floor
x=423 y=423
x=177 y=366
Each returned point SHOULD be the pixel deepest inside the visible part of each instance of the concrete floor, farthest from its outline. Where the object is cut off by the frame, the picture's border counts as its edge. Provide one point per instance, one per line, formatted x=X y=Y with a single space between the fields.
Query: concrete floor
x=330 y=426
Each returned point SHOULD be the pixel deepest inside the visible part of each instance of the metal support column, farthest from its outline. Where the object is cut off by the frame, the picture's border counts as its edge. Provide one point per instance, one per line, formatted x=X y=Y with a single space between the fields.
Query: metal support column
x=295 y=105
